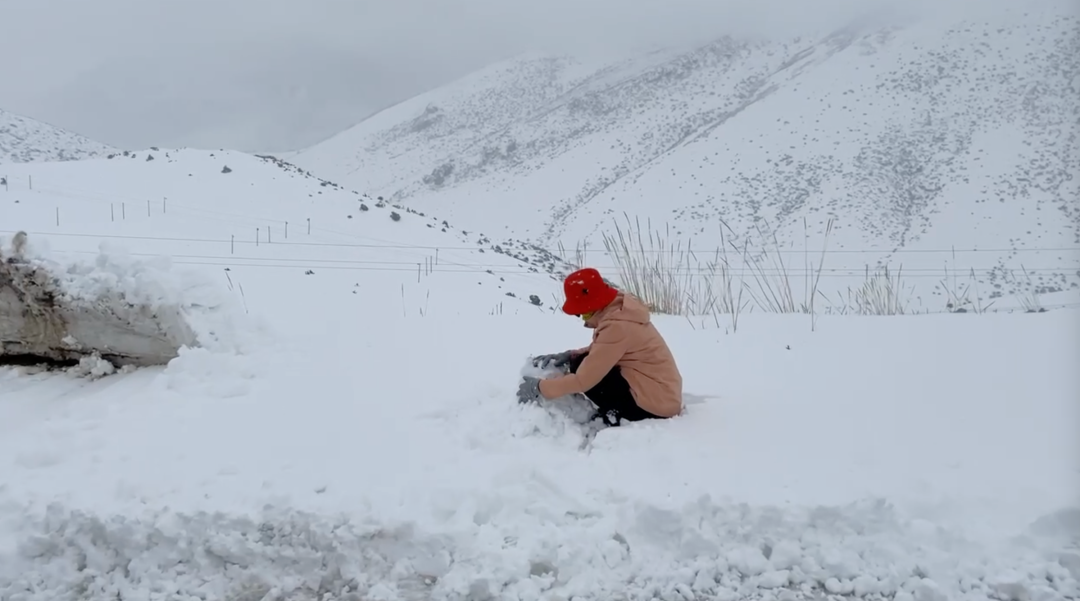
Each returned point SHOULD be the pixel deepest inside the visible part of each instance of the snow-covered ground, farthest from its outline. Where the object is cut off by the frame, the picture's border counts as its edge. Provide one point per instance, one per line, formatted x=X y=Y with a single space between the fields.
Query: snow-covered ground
x=243 y=217
x=331 y=445
x=934 y=456
x=25 y=140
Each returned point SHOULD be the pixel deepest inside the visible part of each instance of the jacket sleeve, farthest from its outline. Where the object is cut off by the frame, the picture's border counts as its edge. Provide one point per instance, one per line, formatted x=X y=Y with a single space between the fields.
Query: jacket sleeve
x=604 y=353
x=580 y=351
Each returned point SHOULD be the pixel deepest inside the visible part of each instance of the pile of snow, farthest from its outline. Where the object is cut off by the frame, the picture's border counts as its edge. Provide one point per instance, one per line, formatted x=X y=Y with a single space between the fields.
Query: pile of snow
x=865 y=550
x=913 y=458
x=25 y=140
x=569 y=415
x=116 y=311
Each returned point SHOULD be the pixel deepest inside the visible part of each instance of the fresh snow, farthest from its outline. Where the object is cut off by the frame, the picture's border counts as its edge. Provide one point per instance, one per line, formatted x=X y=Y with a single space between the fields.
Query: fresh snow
x=331 y=445
x=25 y=140
x=946 y=146
x=933 y=456
x=247 y=217
x=136 y=312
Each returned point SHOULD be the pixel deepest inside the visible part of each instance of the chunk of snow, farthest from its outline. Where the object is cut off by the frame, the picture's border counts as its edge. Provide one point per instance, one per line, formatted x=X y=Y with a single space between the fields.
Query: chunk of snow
x=113 y=311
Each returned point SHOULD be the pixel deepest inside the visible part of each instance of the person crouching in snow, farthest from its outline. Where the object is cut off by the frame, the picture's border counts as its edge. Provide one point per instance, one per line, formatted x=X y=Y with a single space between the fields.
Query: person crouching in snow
x=628 y=371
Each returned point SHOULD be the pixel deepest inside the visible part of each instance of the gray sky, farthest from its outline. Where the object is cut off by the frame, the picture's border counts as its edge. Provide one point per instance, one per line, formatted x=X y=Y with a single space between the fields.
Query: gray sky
x=275 y=75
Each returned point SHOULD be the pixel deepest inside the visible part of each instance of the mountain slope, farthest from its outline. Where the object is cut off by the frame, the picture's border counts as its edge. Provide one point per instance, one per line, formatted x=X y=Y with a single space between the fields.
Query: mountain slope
x=936 y=135
x=24 y=140
x=261 y=221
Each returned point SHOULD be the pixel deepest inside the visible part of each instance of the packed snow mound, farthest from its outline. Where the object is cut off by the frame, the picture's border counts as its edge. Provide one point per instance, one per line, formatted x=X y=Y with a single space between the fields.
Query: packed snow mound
x=24 y=140
x=867 y=550
x=112 y=312
x=953 y=132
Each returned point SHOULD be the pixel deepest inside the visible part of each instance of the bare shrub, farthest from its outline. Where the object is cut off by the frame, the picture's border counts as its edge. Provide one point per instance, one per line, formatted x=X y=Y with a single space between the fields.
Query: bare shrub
x=880 y=294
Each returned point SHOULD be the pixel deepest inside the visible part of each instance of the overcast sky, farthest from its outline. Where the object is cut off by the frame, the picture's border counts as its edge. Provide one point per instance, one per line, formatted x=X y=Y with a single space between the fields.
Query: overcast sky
x=273 y=75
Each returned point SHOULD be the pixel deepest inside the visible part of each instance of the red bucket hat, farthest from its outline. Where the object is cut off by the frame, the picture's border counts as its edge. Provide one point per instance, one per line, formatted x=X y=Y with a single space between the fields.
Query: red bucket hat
x=586 y=292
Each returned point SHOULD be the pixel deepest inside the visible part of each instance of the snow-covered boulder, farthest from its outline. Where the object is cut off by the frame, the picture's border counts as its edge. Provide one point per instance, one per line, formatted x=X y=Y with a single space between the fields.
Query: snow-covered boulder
x=65 y=315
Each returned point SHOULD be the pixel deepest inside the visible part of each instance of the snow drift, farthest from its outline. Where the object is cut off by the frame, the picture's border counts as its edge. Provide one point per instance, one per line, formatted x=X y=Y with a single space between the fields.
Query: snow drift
x=126 y=313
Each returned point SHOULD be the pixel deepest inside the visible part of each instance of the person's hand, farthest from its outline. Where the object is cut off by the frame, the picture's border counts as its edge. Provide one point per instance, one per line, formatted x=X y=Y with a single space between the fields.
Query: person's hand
x=557 y=360
x=529 y=390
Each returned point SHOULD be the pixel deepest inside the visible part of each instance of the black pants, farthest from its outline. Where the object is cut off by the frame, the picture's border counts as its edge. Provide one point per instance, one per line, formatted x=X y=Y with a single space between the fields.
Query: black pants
x=613 y=392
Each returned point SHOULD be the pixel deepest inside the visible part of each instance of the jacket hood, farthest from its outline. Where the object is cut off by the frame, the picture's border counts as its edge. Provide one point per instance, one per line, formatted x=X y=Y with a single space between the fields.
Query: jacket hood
x=625 y=307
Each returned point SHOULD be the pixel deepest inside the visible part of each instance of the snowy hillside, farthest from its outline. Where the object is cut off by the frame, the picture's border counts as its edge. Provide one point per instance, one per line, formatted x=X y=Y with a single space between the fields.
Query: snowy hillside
x=923 y=141
x=264 y=222
x=24 y=140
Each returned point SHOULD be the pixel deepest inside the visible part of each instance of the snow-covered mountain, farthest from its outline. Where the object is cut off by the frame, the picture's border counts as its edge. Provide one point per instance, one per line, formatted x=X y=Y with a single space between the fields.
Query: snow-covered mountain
x=263 y=222
x=922 y=141
x=25 y=140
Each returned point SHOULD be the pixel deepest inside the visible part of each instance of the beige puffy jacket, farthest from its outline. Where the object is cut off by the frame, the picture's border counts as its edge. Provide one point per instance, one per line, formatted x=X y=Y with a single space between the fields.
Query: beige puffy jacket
x=624 y=335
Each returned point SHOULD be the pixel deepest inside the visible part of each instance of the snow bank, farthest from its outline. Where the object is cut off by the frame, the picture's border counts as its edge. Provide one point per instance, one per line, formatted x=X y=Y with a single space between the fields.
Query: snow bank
x=115 y=310
x=705 y=550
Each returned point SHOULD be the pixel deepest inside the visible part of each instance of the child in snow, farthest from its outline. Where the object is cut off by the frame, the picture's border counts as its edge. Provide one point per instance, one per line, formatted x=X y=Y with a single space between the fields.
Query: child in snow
x=628 y=372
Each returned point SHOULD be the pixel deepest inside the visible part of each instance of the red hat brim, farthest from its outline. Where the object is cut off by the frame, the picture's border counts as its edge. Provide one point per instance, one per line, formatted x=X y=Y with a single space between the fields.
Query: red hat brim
x=589 y=304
